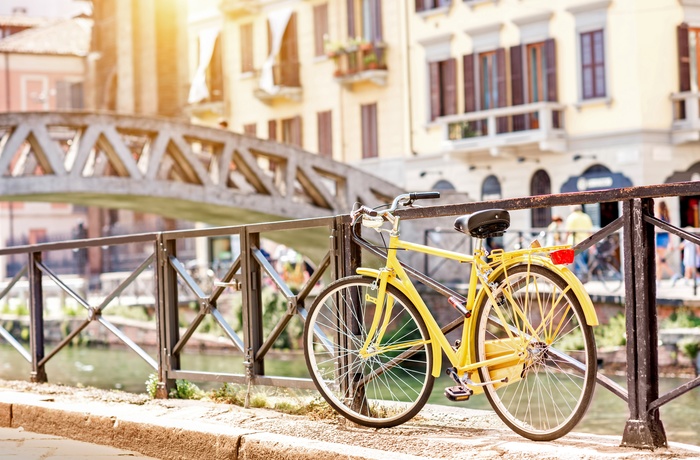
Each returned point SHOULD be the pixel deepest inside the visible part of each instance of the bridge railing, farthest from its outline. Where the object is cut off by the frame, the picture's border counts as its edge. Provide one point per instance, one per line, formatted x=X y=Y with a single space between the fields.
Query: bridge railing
x=339 y=255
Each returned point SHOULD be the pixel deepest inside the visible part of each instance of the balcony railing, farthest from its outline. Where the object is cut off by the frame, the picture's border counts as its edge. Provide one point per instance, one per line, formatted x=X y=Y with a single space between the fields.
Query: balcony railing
x=361 y=62
x=497 y=129
x=286 y=79
x=686 y=117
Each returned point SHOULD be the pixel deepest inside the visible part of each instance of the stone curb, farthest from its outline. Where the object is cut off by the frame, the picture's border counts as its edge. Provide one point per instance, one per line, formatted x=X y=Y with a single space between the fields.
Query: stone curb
x=173 y=440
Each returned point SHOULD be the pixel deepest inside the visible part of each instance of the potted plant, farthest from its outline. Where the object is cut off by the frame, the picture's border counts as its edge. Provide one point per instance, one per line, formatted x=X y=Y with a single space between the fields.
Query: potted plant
x=370 y=61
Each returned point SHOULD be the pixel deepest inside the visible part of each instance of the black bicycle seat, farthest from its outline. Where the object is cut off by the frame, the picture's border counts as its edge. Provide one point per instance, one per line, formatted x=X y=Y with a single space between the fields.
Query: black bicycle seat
x=484 y=224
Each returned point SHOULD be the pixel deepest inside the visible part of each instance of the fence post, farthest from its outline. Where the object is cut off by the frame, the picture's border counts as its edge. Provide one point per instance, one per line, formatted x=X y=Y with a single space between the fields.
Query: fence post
x=167 y=315
x=252 y=304
x=36 y=318
x=644 y=428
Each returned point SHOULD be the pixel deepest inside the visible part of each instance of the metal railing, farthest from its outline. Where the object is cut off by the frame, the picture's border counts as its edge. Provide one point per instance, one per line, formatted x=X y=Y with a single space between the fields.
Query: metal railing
x=340 y=257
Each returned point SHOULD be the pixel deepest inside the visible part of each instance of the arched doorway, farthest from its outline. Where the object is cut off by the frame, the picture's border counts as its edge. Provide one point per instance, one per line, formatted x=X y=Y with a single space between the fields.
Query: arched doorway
x=540 y=184
x=598 y=177
x=491 y=188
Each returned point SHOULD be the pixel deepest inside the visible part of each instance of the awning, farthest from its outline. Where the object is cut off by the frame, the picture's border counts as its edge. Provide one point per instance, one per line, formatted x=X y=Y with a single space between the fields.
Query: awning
x=207 y=41
x=278 y=21
x=595 y=181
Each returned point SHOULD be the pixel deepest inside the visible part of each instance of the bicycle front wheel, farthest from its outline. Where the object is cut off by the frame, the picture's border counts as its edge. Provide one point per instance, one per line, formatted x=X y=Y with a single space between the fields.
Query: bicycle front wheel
x=551 y=383
x=377 y=381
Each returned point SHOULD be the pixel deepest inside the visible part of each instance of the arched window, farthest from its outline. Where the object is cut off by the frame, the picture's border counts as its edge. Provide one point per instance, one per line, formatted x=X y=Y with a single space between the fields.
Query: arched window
x=540 y=185
x=442 y=184
x=491 y=188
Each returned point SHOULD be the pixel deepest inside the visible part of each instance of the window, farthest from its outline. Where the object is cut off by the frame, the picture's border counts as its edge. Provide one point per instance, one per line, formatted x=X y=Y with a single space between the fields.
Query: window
x=533 y=79
x=491 y=188
x=425 y=5
x=320 y=28
x=443 y=88
x=592 y=64
x=291 y=131
x=69 y=95
x=325 y=134
x=286 y=68
x=485 y=85
x=365 y=20
x=250 y=129
x=540 y=185
x=247 y=48
x=369 y=131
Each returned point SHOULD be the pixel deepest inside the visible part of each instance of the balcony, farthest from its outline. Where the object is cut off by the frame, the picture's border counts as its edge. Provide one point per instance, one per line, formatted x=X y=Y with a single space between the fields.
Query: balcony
x=212 y=106
x=686 y=117
x=287 y=84
x=360 y=62
x=505 y=128
x=238 y=8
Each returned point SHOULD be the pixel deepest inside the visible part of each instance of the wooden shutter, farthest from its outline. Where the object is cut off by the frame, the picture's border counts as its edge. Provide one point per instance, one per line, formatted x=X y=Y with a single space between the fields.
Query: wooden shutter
x=420 y=5
x=435 y=101
x=502 y=122
x=369 y=131
x=296 y=137
x=351 y=18
x=247 y=48
x=550 y=52
x=516 y=84
x=683 y=57
x=272 y=130
x=469 y=84
x=251 y=129
x=377 y=21
x=449 y=87
x=325 y=133
x=320 y=28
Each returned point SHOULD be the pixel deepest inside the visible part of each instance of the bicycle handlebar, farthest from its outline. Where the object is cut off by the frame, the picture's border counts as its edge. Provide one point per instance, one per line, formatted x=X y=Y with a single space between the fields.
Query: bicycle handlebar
x=405 y=199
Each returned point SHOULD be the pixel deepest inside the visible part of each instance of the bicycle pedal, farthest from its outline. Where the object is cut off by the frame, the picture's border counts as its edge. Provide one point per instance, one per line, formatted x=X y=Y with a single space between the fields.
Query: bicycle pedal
x=458 y=393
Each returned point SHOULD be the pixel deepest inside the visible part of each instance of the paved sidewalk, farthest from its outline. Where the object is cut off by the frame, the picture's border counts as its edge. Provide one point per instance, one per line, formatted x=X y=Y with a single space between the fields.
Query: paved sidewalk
x=176 y=429
x=17 y=444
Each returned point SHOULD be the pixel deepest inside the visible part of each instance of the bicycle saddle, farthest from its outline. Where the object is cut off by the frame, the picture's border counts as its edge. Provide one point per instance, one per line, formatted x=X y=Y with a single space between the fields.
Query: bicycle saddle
x=484 y=224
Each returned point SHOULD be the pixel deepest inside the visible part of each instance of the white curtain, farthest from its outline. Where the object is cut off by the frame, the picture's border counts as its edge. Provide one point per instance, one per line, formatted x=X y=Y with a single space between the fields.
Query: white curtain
x=199 y=90
x=278 y=23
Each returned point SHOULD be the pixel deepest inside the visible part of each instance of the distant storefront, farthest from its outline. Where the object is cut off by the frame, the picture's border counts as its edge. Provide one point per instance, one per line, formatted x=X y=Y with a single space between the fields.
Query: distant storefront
x=688 y=205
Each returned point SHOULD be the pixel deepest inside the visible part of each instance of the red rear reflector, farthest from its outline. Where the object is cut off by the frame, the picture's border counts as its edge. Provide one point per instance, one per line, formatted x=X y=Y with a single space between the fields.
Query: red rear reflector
x=562 y=257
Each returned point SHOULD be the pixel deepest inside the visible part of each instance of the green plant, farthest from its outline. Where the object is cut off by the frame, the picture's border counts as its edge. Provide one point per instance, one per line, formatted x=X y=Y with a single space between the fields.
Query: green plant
x=691 y=348
x=228 y=394
x=681 y=319
x=152 y=385
x=613 y=334
x=184 y=389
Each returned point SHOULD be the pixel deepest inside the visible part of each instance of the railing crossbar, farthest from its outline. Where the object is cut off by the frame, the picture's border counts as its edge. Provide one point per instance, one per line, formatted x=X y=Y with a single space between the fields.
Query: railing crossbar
x=13 y=281
x=15 y=344
x=65 y=342
x=228 y=329
x=123 y=285
x=128 y=342
x=675 y=393
x=189 y=331
x=63 y=286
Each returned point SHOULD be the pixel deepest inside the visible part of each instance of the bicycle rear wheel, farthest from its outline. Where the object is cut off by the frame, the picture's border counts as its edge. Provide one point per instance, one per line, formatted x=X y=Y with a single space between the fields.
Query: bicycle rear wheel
x=551 y=385
x=390 y=382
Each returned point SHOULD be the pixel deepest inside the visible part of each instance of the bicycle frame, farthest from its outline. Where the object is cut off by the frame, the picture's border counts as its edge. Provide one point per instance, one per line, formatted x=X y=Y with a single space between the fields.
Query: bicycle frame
x=463 y=359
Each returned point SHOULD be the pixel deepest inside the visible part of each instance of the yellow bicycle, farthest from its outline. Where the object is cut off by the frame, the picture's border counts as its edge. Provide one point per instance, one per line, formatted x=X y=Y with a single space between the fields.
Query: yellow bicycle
x=373 y=348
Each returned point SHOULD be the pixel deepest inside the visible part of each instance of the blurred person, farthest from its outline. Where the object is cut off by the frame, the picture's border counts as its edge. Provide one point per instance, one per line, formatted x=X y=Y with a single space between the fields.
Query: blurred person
x=554 y=235
x=663 y=244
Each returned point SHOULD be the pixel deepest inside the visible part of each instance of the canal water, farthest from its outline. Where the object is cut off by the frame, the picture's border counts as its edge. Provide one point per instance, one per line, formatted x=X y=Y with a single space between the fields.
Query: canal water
x=124 y=370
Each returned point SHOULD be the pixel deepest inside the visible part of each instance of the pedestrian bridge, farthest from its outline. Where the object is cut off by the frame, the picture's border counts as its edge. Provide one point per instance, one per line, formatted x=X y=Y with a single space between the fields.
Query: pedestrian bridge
x=172 y=168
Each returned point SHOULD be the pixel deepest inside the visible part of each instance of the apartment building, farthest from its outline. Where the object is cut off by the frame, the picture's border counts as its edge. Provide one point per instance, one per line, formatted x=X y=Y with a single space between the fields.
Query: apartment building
x=518 y=98
x=327 y=76
x=495 y=99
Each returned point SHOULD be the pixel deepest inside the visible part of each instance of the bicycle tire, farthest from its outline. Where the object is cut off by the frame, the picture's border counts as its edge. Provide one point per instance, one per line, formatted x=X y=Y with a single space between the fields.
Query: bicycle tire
x=391 y=389
x=549 y=394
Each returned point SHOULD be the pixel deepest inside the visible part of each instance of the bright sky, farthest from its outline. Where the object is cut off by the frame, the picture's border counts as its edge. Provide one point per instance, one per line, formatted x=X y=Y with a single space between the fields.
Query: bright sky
x=44 y=8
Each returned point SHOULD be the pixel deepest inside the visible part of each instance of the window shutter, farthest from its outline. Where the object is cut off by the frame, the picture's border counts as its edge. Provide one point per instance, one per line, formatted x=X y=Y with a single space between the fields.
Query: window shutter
x=435 y=102
x=516 y=84
x=449 y=87
x=502 y=122
x=251 y=129
x=469 y=84
x=377 y=22
x=63 y=95
x=351 y=18
x=325 y=134
x=272 y=130
x=550 y=52
x=683 y=57
x=320 y=28
x=76 y=96
x=247 y=48
x=296 y=131
x=369 y=131
x=420 y=5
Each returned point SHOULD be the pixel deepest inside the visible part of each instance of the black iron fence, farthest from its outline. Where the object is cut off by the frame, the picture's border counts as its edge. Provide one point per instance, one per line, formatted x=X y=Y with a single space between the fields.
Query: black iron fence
x=338 y=255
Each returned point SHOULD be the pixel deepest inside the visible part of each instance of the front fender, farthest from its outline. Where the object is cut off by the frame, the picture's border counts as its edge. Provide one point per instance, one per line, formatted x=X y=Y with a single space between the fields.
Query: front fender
x=437 y=351
x=568 y=276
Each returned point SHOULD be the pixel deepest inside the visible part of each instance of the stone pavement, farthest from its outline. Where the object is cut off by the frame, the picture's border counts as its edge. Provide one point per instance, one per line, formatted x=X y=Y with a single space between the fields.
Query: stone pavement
x=17 y=444
x=177 y=429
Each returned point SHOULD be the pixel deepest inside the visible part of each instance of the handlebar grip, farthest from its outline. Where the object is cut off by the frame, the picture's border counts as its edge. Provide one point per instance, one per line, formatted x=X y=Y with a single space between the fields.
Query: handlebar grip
x=423 y=195
x=366 y=210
